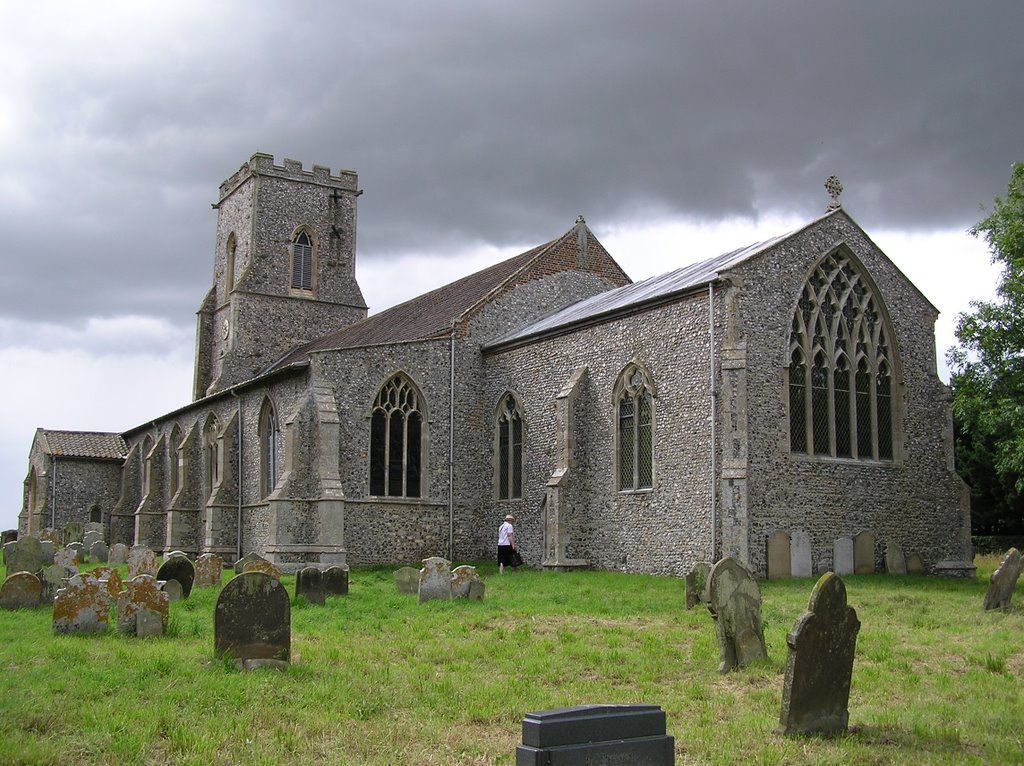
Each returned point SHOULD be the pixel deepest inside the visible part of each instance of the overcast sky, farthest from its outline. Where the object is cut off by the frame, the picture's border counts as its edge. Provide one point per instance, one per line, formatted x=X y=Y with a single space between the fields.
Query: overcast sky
x=680 y=129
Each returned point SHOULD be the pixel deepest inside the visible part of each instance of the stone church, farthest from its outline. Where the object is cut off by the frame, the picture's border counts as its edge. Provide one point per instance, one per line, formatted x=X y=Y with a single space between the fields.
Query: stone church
x=777 y=401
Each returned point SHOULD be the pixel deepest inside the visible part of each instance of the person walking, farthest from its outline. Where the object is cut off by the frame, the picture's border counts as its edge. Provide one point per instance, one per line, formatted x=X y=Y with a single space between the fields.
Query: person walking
x=506 y=544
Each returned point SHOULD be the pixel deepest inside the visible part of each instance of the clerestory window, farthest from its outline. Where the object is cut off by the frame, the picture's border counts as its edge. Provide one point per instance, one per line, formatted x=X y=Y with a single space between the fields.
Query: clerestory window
x=396 y=440
x=302 y=262
x=509 y=438
x=634 y=415
x=840 y=366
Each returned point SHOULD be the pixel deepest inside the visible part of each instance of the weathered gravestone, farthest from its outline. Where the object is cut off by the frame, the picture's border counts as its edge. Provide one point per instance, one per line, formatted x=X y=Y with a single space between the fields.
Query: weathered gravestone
x=79 y=548
x=141 y=560
x=141 y=593
x=49 y=549
x=842 y=556
x=476 y=590
x=1002 y=582
x=23 y=555
x=181 y=569
x=81 y=606
x=915 y=564
x=172 y=588
x=240 y=564
x=604 y=735
x=252 y=622
x=118 y=554
x=309 y=584
x=435 y=579
x=264 y=566
x=407 y=580
x=779 y=556
x=462 y=578
x=800 y=554
x=697 y=584
x=8 y=536
x=90 y=537
x=99 y=551
x=816 y=692
x=53 y=578
x=73 y=533
x=21 y=590
x=734 y=601
x=336 y=581
x=176 y=554
x=895 y=563
x=209 y=570
x=50 y=534
x=110 y=578
x=864 y=553
x=67 y=557
x=93 y=526
x=149 y=624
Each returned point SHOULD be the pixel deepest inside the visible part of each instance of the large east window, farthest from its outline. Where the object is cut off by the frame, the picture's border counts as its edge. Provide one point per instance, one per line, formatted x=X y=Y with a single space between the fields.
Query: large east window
x=396 y=440
x=509 y=449
x=634 y=416
x=840 y=373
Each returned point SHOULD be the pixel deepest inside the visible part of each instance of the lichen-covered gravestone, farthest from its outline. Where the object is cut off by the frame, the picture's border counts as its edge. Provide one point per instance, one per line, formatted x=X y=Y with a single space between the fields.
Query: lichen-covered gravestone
x=407 y=580
x=262 y=565
x=90 y=537
x=53 y=578
x=252 y=622
x=81 y=606
x=141 y=560
x=336 y=581
x=73 y=533
x=181 y=569
x=23 y=555
x=110 y=578
x=309 y=584
x=141 y=593
x=435 y=579
x=209 y=570
x=816 y=692
x=734 y=601
x=697 y=584
x=240 y=564
x=1002 y=582
x=118 y=554
x=21 y=590
x=462 y=578
x=67 y=557
x=99 y=551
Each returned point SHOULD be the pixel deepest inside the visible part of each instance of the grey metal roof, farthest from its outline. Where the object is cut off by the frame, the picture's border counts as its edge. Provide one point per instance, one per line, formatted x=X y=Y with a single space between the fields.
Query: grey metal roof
x=626 y=298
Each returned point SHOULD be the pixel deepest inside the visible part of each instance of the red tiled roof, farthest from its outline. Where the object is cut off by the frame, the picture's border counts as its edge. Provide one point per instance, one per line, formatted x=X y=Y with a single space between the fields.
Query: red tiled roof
x=96 y=445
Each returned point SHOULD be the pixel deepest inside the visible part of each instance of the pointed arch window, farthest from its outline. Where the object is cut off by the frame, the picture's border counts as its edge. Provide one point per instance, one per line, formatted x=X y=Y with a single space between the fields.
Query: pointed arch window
x=302 y=261
x=840 y=366
x=509 y=438
x=229 y=264
x=211 y=462
x=147 y=465
x=634 y=417
x=269 y=442
x=174 y=460
x=396 y=440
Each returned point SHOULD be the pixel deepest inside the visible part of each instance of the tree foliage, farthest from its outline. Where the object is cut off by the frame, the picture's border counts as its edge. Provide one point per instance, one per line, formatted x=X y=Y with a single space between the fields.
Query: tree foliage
x=988 y=375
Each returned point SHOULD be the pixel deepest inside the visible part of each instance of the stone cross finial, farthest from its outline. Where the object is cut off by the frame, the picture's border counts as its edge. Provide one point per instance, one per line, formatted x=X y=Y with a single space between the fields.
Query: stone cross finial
x=580 y=219
x=834 y=189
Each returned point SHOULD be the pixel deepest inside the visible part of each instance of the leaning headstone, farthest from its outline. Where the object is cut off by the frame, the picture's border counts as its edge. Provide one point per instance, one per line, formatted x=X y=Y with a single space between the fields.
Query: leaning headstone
x=141 y=593
x=895 y=563
x=435 y=579
x=1002 y=582
x=67 y=557
x=842 y=556
x=141 y=560
x=779 y=556
x=81 y=606
x=407 y=580
x=21 y=590
x=252 y=622
x=240 y=564
x=864 y=553
x=336 y=581
x=915 y=564
x=172 y=588
x=118 y=554
x=309 y=584
x=264 y=566
x=596 y=734
x=800 y=554
x=476 y=590
x=816 y=692
x=99 y=551
x=209 y=570
x=462 y=578
x=23 y=555
x=181 y=569
x=90 y=537
x=53 y=578
x=73 y=532
x=697 y=584
x=110 y=578
x=735 y=603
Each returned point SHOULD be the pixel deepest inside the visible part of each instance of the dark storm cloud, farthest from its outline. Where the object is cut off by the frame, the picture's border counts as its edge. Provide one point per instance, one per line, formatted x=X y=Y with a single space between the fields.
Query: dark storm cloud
x=498 y=123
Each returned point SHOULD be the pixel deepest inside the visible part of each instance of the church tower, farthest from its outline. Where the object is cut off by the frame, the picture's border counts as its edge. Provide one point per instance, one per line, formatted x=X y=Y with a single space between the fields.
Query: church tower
x=284 y=268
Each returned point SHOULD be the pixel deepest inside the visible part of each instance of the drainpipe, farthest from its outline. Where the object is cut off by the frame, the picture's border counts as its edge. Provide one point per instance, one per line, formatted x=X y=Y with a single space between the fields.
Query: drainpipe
x=53 y=498
x=238 y=478
x=714 y=421
x=451 y=446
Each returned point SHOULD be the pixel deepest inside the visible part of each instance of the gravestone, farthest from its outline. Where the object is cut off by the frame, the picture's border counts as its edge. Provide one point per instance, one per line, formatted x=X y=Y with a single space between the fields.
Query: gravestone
x=141 y=593
x=779 y=557
x=800 y=554
x=462 y=578
x=141 y=560
x=49 y=548
x=23 y=555
x=67 y=557
x=8 y=536
x=697 y=584
x=148 y=624
x=53 y=578
x=110 y=578
x=51 y=535
x=178 y=568
x=240 y=564
x=407 y=580
x=895 y=563
x=735 y=603
x=81 y=606
x=172 y=588
x=1002 y=582
x=816 y=692
x=264 y=566
x=336 y=581
x=93 y=526
x=118 y=554
x=176 y=554
x=252 y=622
x=842 y=556
x=476 y=590
x=73 y=533
x=864 y=553
x=309 y=584
x=604 y=735
x=99 y=551
x=21 y=590
x=435 y=580
x=79 y=547
x=915 y=564
x=209 y=570
x=90 y=537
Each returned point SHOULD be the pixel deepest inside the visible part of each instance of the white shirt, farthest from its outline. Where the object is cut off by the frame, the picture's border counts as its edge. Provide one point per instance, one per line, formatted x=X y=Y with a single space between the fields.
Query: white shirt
x=505 y=531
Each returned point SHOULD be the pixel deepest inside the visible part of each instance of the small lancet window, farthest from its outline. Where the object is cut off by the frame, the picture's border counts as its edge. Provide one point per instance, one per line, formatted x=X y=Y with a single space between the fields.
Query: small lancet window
x=510 y=449
x=634 y=402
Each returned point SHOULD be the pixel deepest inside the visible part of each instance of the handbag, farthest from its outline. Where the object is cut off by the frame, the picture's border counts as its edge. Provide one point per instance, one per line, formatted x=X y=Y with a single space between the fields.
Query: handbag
x=517 y=560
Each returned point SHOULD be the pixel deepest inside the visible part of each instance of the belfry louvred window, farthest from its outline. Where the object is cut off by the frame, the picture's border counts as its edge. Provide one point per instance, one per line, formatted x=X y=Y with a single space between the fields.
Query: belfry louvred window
x=840 y=367
x=302 y=262
x=396 y=440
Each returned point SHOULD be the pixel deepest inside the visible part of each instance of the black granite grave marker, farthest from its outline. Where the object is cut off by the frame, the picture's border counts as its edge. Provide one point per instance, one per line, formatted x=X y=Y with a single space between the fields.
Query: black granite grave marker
x=601 y=735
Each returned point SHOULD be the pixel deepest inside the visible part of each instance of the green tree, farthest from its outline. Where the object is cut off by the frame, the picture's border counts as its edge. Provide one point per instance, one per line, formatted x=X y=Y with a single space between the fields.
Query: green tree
x=988 y=375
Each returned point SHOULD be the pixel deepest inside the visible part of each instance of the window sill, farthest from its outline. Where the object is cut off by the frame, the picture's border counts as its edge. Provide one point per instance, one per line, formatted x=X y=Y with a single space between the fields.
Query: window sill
x=394 y=500
x=643 y=491
x=804 y=457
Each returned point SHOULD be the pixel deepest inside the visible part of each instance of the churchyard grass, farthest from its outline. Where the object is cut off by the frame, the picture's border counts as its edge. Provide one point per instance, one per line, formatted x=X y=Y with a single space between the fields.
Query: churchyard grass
x=378 y=679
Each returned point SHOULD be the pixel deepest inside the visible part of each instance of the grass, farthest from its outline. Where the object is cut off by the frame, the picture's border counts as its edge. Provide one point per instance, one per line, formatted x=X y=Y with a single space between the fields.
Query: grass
x=378 y=679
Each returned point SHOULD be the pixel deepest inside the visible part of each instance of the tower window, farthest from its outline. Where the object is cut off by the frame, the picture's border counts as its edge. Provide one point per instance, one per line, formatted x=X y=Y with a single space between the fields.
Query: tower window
x=302 y=262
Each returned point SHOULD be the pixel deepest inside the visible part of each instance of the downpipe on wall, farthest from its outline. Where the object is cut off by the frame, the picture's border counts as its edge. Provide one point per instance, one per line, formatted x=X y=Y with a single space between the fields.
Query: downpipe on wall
x=238 y=479
x=451 y=446
x=714 y=421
